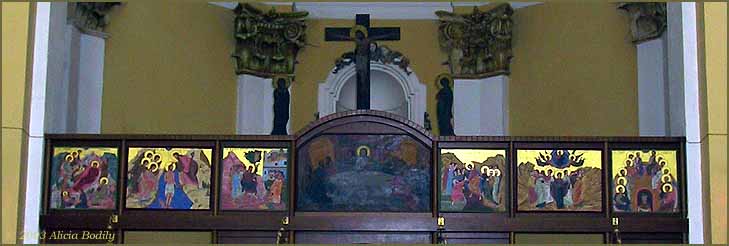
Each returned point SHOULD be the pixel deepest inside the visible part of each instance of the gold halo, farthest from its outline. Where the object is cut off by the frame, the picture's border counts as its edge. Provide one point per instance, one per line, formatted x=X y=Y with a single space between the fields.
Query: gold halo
x=485 y=171
x=667 y=188
x=446 y=76
x=148 y=154
x=157 y=155
x=74 y=154
x=621 y=171
x=617 y=181
x=103 y=180
x=666 y=178
x=275 y=79
x=145 y=160
x=617 y=189
x=64 y=193
x=353 y=31
x=171 y=167
x=69 y=158
x=94 y=162
x=156 y=167
x=496 y=172
x=363 y=147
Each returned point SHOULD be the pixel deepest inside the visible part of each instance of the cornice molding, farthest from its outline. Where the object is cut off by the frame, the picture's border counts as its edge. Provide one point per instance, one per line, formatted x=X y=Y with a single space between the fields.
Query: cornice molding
x=377 y=10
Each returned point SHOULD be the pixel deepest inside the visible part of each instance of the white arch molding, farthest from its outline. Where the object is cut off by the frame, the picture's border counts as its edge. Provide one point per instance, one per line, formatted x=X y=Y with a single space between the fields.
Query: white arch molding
x=415 y=91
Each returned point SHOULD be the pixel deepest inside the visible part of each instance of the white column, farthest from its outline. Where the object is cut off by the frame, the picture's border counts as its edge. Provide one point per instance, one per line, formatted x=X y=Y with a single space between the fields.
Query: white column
x=75 y=76
x=675 y=59
x=34 y=167
x=652 y=88
x=480 y=106
x=89 y=86
x=59 y=50
x=255 y=106
x=688 y=115
x=668 y=98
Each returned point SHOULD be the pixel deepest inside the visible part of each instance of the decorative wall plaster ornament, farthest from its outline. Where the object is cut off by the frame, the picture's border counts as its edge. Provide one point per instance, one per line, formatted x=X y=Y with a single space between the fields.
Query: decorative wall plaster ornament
x=478 y=44
x=267 y=42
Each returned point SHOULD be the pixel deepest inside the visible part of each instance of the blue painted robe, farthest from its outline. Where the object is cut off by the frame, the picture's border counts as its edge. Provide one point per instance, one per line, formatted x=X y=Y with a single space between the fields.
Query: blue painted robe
x=180 y=200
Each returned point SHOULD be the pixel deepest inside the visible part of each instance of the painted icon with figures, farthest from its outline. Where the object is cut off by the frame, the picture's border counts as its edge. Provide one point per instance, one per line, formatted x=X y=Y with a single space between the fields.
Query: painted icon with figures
x=568 y=180
x=644 y=181
x=366 y=173
x=168 y=178
x=473 y=180
x=84 y=178
x=254 y=179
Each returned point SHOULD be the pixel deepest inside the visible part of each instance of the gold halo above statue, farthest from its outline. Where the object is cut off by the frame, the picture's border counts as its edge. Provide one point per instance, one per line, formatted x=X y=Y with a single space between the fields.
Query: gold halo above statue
x=274 y=81
x=360 y=148
x=444 y=76
x=353 y=31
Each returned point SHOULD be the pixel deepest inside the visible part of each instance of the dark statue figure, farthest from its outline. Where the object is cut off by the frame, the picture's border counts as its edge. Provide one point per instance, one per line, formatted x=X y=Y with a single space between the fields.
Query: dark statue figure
x=445 y=108
x=364 y=38
x=362 y=65
x=426 y=121
x=281 y=100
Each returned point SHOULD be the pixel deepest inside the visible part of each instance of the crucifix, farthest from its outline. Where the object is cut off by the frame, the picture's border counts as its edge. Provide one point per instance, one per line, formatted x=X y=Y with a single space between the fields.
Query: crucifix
x=363 y=36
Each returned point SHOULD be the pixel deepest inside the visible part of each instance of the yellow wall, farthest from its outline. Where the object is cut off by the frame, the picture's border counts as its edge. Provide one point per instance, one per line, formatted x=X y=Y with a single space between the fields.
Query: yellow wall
x=15 y=94
x=168 y=69
x=714 y=138
x=574 y=71
x=572 y=60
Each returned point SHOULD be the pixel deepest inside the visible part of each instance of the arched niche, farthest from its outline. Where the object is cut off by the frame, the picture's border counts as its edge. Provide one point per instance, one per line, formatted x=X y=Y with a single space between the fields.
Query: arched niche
x=413 y=92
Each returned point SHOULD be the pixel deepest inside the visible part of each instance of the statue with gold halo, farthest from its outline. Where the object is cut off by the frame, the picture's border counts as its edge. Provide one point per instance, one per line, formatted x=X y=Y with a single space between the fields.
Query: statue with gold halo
x=267 y=42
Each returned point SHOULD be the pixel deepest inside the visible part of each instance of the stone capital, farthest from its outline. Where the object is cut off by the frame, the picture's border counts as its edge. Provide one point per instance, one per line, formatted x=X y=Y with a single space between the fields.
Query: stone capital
x=647 y=20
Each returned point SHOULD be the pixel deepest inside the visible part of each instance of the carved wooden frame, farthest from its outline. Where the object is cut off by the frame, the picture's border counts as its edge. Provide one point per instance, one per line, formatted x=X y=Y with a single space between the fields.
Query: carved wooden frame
x=455 y=223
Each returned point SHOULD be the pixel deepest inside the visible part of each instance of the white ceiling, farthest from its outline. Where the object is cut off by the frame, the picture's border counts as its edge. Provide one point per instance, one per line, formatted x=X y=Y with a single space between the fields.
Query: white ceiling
x=377 y=10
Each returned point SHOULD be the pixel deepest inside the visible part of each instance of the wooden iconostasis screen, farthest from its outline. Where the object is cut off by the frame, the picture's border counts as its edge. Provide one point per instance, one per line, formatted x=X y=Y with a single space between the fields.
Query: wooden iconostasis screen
x=339 y=178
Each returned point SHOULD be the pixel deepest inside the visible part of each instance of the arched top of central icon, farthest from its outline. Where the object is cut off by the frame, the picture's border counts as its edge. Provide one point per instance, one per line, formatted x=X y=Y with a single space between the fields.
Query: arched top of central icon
x=364 y=122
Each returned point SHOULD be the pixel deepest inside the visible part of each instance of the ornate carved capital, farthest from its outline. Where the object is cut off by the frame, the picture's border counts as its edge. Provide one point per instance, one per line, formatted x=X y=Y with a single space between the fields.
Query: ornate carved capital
x=647 y=20
x=90 y=17
x=478 y=44
x=382 y=54
x=267 y=42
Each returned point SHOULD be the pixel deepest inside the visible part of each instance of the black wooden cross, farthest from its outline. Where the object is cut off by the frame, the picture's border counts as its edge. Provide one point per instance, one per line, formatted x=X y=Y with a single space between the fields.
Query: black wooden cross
x=362 y=51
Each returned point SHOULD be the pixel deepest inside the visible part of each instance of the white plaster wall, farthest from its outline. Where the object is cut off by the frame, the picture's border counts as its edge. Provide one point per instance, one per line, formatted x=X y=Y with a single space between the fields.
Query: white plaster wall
x=386 y=94
x=652 y=89
x=254 y=95
x=675 y=54
x=34 y=167
x=59 y=48
x=90 y=84
x=480 y=106
x=414 y=91
x=255 y=106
